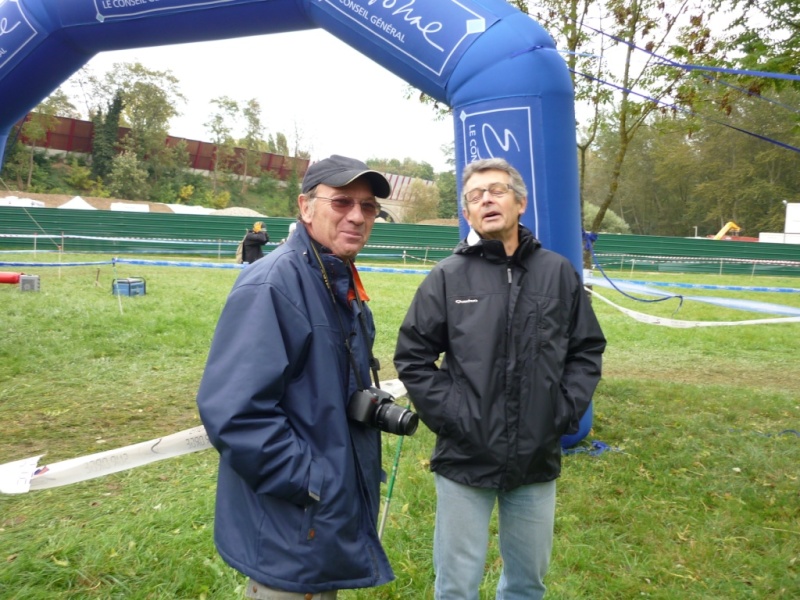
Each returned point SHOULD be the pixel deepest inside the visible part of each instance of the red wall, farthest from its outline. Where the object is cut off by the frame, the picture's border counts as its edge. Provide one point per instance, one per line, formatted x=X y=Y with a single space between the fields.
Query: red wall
x=73 y=135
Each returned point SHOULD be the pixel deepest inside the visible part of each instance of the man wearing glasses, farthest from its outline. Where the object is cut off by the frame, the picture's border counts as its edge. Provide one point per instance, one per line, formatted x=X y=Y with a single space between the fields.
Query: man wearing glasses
x=522 y=356
x=299 y=483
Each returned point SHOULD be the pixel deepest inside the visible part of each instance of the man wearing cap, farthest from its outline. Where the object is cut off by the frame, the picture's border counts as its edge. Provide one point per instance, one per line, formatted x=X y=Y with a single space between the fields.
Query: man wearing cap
x=299 y=483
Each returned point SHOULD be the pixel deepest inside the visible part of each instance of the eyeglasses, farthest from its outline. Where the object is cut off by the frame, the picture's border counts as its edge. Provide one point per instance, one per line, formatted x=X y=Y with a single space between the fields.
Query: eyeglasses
x=369 y=208
x=496 y=190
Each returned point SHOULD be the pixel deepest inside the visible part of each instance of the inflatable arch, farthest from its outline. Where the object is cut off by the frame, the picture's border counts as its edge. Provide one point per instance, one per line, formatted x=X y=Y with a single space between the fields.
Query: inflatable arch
x=498 y=70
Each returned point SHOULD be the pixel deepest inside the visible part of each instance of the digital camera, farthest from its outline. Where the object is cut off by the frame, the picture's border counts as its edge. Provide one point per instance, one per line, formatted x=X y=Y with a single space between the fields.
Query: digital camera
x=377 y=408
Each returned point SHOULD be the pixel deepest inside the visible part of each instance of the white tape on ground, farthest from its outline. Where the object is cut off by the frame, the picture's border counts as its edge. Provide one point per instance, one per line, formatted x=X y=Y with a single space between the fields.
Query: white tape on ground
x=15 y=480
x=651 y=320
x=15 y=477
x=23 y=475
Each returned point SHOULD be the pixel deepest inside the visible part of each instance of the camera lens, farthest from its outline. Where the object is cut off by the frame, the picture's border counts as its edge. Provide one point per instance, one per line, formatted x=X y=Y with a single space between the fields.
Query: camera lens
x=395 y=419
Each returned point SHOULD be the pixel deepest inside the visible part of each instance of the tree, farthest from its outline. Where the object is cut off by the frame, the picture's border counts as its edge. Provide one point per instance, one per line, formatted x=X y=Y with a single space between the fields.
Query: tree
x=279 y=145
x=149 y=102
x=128 y=176
x=252 y=142
x=105 y=138
x=745 y=180
x=611 y=224
x=149 y=98
x=421 y=202
x=174 y=174
x=587 y=69
x=683 y=172
x=290 y=190
x=220 y=126
x=632 y=94
x=448 y=195
x=763 y=36
x=408 y=167
x=42 y=121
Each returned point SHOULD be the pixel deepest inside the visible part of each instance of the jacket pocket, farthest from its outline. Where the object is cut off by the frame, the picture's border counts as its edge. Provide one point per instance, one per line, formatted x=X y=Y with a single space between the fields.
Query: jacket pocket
x=452 y=412
x=564 y=411
x=316 y=477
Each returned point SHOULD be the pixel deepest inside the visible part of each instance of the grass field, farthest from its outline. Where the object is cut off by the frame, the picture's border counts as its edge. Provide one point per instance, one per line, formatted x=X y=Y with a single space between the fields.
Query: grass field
x=698 y=498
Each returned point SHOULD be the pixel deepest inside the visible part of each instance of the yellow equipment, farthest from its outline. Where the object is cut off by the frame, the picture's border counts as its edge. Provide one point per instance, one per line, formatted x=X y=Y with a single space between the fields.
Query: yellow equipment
x=730 y=226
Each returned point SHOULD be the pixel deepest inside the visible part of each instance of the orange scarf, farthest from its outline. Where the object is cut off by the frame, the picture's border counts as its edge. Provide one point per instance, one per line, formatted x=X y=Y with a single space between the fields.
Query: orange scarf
x=362 y=293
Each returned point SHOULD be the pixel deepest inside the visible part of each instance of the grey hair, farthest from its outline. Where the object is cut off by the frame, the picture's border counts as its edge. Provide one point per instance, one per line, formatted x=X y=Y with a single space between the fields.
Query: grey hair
x=495 y=164
x=311 y=199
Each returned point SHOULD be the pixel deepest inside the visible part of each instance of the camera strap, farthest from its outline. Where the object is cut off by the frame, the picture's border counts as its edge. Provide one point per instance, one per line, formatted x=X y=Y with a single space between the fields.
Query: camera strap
x=373 y=363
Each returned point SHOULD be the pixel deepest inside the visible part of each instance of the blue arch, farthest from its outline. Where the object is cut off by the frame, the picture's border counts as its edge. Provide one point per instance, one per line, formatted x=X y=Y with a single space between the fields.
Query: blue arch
x=498 y=70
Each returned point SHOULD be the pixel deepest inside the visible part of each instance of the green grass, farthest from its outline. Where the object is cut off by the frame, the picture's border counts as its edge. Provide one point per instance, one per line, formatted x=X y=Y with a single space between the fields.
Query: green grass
x=698 y=499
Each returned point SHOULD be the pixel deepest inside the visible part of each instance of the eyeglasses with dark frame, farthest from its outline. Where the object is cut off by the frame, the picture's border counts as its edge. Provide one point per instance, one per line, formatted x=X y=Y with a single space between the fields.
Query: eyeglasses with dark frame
x=369 y=208
x=496 y=190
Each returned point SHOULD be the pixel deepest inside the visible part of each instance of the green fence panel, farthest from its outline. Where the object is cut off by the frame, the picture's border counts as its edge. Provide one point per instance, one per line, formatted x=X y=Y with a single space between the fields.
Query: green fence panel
x=644 y=245
x=696 y=255
x=116 y=232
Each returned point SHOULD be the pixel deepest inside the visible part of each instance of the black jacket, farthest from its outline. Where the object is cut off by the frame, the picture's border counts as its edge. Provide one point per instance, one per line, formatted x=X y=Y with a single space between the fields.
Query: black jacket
x=252 y=248
x=522 y=357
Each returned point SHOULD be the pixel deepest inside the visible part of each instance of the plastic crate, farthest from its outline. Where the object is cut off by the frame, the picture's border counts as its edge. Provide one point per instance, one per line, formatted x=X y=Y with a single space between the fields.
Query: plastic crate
x=28 y=283
x=131 y=286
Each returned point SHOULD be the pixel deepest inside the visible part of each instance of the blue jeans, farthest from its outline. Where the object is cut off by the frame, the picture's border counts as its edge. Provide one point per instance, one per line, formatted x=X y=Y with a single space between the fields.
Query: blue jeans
x=461 y=537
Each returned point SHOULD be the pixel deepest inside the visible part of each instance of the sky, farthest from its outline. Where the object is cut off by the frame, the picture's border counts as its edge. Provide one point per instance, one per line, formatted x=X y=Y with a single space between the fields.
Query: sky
x=339 y=100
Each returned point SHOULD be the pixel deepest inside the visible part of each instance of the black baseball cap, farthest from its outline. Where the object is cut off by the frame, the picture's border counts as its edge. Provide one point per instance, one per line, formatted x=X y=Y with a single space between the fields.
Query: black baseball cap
x=339 y=171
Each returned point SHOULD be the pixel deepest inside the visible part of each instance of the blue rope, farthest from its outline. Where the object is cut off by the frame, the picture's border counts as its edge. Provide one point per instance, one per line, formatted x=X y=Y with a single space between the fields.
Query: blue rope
x=688 y=67
x=589 y=238
x=688 y=112
x=596 y=448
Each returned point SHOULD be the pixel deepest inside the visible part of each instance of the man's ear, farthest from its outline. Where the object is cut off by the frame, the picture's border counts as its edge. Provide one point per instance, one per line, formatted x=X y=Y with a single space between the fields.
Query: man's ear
x=523 y=204
x=306 y=210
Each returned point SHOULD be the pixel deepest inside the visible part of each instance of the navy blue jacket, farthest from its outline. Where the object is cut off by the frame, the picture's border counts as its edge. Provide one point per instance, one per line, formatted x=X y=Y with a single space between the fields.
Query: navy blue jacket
x=299 y=484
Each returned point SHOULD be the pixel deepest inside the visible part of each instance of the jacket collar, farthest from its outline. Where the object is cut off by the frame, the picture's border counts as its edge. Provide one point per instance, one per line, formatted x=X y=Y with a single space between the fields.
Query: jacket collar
x=493 y=250
x=341 y=273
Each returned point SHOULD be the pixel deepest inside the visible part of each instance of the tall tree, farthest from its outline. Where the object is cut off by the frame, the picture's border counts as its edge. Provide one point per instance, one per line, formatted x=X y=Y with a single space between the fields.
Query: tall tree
x=252 y=142
x=448 y=195
x=105 y=138
x=279 y=144
x=150 y=99
x=220 y=125
x=638 y=24
x=566 y=20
